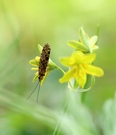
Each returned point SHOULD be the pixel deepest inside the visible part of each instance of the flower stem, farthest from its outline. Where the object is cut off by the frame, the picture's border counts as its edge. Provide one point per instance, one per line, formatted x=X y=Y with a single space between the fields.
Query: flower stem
x=61 y=69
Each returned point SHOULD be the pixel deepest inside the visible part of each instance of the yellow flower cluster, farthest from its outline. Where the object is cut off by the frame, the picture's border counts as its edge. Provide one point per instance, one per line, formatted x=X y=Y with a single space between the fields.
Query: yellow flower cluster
x=80 y=63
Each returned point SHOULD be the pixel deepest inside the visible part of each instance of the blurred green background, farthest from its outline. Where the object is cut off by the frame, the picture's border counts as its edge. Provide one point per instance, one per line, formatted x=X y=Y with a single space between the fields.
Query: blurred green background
x=24 y=25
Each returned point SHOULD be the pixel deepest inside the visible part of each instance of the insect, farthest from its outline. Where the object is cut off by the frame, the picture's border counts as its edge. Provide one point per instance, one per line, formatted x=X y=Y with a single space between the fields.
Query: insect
x=42 y=66
x=44 y=59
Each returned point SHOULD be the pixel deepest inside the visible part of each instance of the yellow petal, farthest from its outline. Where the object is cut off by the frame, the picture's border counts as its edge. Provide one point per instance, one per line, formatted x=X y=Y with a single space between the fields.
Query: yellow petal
x=77 y=57
x=68 y=75
x=81 y=77
x=96 y=71
x=32 y=62
x=67 y=61
x=35 y=61
x=34 y=68
x=35 y=77
x=89 y=58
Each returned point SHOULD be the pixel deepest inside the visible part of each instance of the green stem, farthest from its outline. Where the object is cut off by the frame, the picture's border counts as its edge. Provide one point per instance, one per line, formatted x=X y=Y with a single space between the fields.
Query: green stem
x=83 y=97
x=61 y=69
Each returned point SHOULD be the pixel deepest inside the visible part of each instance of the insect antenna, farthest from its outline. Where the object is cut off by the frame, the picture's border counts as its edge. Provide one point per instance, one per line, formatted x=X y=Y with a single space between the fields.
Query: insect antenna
x=34 y=90
x=38 y=91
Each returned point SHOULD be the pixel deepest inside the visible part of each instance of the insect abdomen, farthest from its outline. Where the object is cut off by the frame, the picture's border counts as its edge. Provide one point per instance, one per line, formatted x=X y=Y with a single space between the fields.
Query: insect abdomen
x=44 y=59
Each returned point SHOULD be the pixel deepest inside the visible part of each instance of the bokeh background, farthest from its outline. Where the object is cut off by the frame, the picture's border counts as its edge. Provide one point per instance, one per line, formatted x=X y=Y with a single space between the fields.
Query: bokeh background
x=24 y=25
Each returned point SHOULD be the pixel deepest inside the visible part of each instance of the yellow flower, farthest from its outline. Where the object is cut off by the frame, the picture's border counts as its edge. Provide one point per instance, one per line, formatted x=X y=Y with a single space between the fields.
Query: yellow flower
x=85 y=43
x=35 y=62
x=80 y=66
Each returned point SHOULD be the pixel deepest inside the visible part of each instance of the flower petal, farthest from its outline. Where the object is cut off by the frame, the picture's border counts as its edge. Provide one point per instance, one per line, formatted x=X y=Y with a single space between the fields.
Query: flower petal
x=35 y=77
x=32 y=62
x=78 y=46
x=81 y=77
x=67 y=61
x=89 y=58
x=93 y=40
x=77 y=57
x=34 y=68
x=94 y=48
x=84 y=37
x=44 y=78
x=40 y=48
x=96 y=71
x=67 y=76
x=35 y=61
